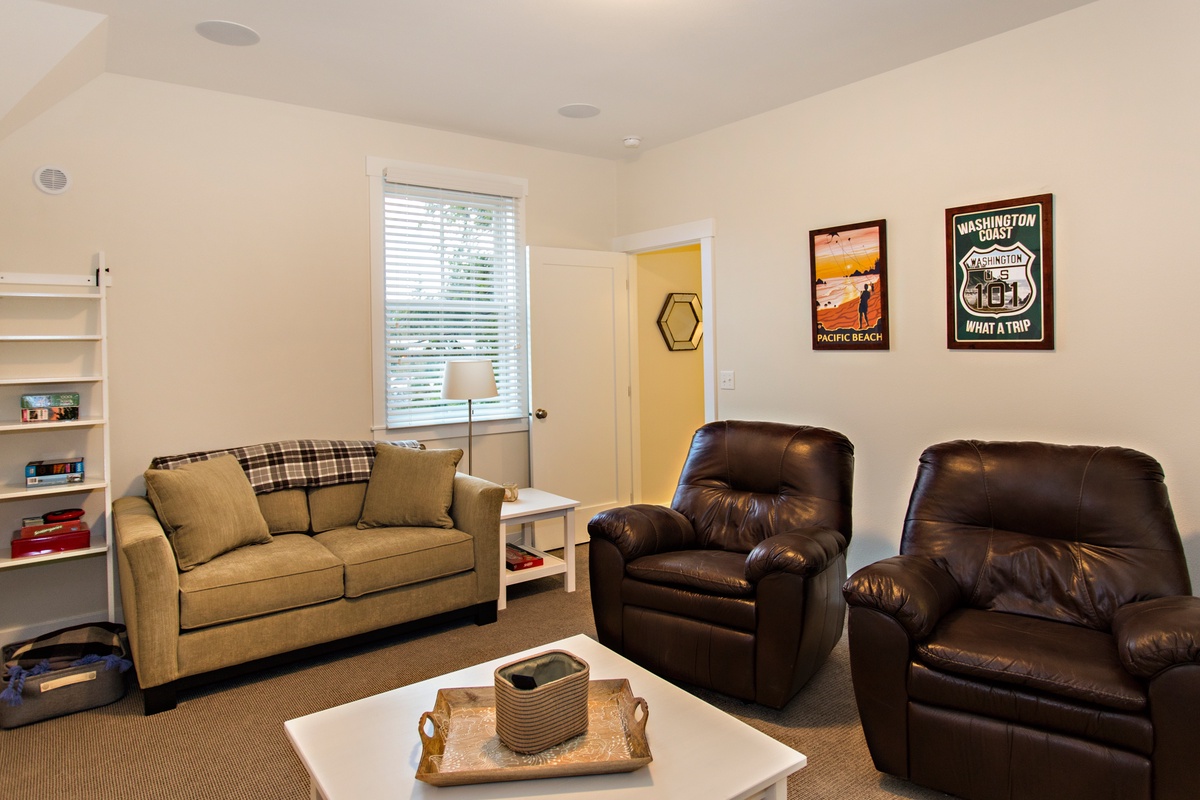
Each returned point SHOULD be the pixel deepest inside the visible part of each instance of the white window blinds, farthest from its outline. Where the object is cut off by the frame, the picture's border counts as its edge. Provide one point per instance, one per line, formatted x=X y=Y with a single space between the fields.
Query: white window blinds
x=453 y=288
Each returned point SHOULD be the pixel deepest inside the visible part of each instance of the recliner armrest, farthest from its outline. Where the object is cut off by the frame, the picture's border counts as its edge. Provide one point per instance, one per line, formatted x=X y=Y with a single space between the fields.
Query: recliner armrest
x=911 y=589
x=804 y=552
x=1153 y=635
x=642 y=529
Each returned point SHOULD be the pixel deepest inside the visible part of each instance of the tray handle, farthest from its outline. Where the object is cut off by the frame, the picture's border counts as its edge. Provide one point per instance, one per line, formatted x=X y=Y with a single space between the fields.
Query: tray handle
x=639 y=702
x=437 y=722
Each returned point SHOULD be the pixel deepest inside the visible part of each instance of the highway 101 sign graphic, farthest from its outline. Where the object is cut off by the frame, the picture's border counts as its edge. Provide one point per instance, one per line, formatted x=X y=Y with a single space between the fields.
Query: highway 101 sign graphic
x=1000 y=275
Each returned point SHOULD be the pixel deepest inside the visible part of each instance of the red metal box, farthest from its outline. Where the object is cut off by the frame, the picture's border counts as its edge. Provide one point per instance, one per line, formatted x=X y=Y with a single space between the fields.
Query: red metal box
x=52 y=543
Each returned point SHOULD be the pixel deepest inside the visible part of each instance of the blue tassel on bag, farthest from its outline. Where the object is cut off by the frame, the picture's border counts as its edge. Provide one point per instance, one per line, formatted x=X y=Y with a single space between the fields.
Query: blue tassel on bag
x=110 y=662
x=16 y=682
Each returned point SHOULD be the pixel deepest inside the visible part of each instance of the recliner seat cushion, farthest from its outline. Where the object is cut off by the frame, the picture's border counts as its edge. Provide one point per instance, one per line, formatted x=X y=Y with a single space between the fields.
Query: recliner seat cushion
x=384 y=558
x=1052 y=657
x=289 y=571
x=717 y=572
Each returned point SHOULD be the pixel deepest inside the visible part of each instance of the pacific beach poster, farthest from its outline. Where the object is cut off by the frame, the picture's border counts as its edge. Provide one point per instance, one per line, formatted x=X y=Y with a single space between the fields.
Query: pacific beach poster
x=849 y=286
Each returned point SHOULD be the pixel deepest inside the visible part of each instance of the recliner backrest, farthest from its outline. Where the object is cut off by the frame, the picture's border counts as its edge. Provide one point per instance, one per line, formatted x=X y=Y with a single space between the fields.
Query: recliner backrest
x=745 y=481
x=1061 y=532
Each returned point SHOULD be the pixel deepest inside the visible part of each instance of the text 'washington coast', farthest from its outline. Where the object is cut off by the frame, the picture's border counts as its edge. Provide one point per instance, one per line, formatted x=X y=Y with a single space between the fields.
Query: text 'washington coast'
x=997 y=226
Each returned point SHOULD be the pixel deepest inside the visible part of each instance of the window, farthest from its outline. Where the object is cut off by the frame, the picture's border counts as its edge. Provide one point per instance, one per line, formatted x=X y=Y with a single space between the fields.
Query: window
x=449 y=283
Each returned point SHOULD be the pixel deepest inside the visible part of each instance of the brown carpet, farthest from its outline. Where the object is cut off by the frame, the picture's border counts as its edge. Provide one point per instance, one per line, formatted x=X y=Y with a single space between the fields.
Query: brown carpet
x=227 y=740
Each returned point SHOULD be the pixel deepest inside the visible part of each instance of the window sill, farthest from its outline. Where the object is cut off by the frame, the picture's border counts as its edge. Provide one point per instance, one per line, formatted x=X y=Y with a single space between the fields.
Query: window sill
x=454 y=430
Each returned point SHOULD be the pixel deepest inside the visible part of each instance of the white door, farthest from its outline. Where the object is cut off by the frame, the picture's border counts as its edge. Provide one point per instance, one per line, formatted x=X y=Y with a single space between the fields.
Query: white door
x=580 y=437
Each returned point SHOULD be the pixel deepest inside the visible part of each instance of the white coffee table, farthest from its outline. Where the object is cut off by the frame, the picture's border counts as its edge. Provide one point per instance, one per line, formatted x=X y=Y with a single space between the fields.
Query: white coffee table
x=370 y=748
x=534 y=505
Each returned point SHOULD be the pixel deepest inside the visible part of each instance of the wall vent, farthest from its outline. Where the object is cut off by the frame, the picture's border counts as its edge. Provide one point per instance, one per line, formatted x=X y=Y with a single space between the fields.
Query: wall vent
x=51 y=179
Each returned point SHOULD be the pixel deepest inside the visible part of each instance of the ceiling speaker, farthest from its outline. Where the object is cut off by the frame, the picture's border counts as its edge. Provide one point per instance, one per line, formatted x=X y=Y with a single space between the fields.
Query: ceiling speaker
x=51 y=179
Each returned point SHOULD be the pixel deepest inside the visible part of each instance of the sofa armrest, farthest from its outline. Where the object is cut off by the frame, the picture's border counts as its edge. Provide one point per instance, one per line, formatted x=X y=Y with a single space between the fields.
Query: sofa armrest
x=1155 y=634
x=911 y=589
x=149 y=590
x=804 y=552
x=475 y=510
x=642 y=529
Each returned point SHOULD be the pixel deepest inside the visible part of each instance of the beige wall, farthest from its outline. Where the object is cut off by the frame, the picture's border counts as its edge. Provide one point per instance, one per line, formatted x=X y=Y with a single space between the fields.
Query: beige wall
x=237 y=232
x=1095 y=106
x=671 y=383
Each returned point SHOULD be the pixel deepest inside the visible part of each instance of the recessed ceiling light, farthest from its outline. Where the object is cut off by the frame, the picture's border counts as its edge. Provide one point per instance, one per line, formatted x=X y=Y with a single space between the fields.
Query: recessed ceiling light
x=579 y=110
x=223 y=32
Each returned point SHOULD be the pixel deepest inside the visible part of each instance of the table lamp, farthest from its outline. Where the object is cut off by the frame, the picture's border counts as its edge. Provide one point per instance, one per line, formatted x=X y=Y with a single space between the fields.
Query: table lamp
x=470 y=380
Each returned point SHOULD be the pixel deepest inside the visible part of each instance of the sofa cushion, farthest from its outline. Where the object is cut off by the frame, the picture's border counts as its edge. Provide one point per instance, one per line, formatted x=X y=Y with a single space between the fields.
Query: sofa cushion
x=383 y=558
x=286 y=511
x=207 y=508
x=290 y=571
x=336 y=506
x=410 y=488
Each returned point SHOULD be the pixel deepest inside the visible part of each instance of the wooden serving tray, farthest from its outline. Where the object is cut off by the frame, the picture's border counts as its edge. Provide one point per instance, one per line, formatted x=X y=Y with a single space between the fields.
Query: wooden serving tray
x=463 y=747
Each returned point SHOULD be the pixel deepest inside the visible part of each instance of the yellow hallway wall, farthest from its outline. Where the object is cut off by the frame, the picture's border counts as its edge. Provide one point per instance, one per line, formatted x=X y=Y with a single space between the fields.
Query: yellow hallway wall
x=671 y=382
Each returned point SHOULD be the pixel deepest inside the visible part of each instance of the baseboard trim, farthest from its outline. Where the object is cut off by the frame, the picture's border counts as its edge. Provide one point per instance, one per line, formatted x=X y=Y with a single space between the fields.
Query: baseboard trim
x=20 y=633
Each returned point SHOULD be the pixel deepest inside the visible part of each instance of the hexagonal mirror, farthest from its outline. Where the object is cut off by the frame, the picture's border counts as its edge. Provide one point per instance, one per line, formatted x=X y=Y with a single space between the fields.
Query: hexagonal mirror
x=680 y=321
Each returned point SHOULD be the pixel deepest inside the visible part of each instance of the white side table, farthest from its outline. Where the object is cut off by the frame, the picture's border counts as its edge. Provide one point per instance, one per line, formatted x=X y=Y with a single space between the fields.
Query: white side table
x=533 y=505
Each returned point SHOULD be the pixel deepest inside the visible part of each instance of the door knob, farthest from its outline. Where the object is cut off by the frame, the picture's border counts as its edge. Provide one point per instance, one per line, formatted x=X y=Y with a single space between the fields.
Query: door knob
x=540 y=413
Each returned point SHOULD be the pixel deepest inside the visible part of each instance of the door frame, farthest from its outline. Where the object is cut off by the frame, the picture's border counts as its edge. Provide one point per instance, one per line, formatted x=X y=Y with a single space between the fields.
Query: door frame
x=700 y=232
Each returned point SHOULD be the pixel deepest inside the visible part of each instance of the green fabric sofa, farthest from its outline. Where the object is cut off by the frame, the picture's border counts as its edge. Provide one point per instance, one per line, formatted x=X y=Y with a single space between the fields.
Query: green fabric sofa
x=314 y=562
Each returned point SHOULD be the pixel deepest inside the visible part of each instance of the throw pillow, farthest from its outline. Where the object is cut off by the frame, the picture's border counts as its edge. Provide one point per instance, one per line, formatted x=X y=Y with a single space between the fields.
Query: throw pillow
x=207 y=508
x=410 y=488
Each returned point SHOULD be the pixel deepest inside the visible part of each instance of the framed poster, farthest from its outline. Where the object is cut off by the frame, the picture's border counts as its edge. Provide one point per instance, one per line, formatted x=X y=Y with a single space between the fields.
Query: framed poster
x=1000 y=275
x=849 y=286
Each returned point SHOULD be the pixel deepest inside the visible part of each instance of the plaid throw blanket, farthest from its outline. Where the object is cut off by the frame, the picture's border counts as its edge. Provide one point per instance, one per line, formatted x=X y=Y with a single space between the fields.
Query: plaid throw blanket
x=90 y=643
x=294 y=464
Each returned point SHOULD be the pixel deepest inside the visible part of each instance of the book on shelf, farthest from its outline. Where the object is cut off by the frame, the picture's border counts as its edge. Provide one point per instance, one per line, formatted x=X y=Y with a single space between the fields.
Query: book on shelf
x=63 y=466
x=517 y=558
x=57 y=400
x=53 y=480
x=50 y=528
x=57 y=407
x=50 y=414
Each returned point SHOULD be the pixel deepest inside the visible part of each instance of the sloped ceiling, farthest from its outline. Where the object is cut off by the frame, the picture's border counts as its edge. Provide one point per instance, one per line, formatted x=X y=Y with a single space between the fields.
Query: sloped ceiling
x=662 y=70
x=34 y=39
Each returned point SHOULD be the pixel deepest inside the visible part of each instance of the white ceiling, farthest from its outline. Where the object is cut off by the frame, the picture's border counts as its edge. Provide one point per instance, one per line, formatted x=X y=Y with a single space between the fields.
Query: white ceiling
x=659 y=69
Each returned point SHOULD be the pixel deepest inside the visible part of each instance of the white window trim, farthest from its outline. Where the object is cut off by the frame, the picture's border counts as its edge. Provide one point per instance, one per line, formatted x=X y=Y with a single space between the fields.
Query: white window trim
x=423 y=175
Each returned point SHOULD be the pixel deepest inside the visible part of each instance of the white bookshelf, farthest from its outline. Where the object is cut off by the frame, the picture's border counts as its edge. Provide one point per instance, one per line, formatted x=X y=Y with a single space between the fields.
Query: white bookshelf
x=53 y=338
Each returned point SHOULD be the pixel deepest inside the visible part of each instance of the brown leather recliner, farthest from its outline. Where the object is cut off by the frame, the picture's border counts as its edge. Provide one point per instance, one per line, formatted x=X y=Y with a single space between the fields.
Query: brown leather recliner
x=1037 y=636
x=736 y=586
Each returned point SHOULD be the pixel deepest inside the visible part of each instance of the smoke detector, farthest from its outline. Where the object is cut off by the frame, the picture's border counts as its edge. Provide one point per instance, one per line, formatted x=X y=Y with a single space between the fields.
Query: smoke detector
x=51 y=179
x=633 y=142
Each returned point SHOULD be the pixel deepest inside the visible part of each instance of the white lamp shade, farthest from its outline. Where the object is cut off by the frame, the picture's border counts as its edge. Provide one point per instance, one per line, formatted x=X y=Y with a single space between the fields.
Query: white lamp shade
x=472 y=379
